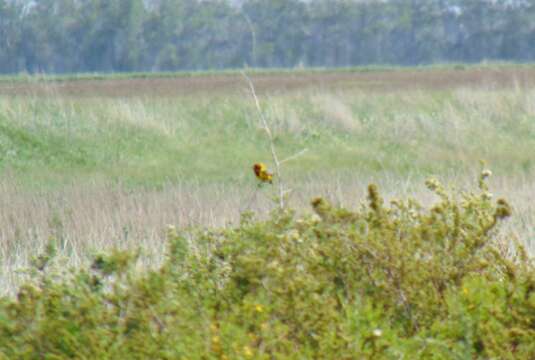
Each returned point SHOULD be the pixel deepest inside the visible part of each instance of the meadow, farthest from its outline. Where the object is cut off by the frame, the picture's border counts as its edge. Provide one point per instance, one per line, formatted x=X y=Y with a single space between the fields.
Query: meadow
x=111 y=162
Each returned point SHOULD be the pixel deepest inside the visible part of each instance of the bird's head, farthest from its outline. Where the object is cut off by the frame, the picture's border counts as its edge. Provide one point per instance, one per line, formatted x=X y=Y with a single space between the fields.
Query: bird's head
x=259 y=167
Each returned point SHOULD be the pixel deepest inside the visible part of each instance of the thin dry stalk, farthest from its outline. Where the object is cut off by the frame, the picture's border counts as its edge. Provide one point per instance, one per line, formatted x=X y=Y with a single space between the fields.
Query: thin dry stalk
x=269 y=133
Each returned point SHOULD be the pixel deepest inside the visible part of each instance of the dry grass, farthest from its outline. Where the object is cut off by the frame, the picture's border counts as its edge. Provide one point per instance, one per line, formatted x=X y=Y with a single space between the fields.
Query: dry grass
x=86 y=220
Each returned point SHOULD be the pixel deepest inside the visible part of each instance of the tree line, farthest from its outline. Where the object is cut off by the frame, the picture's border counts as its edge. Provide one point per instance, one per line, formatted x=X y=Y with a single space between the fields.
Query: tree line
x=65 y=36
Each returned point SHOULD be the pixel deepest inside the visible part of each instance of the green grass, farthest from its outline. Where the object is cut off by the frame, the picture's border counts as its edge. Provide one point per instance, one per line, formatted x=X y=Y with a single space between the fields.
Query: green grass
x=31 y=78
x=215 y=139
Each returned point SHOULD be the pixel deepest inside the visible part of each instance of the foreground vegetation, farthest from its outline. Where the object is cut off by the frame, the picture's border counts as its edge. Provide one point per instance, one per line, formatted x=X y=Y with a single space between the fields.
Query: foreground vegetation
x=384 y=282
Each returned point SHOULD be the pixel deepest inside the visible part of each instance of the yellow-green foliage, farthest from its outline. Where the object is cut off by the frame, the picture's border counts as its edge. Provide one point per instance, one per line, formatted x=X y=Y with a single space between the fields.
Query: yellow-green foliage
x=386 y=282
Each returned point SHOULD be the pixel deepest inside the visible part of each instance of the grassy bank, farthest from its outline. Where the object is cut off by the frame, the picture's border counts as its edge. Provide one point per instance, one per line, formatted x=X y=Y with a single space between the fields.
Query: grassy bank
x=214 y=139
x=98 y=168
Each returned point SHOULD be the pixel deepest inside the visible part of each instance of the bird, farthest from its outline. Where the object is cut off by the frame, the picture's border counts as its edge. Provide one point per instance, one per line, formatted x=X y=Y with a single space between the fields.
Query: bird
x=262 y=174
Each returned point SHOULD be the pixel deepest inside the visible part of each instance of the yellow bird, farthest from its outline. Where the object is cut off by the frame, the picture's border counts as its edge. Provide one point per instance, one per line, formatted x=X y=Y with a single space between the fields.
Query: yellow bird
x=261 y=172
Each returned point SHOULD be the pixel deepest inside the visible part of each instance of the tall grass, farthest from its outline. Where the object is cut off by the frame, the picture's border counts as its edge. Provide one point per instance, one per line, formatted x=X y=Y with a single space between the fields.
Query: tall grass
x=87 y=219
x=98 y=172
x=214 y=139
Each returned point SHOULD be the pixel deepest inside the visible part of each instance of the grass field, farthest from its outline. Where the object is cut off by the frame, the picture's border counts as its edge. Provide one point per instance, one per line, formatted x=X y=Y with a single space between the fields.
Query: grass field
x=111 y=161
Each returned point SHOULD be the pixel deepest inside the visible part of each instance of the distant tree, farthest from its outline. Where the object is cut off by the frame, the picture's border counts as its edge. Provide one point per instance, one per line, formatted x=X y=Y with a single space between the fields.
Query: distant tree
x=280 y=27
x=98 y=19
x=334 y=24
x=518 y=36
x=129 y=43
x=153 y=35
x=10 y=37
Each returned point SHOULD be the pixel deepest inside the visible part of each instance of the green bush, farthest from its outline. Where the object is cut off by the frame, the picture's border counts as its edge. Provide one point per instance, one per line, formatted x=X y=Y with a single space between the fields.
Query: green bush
x=386 y=282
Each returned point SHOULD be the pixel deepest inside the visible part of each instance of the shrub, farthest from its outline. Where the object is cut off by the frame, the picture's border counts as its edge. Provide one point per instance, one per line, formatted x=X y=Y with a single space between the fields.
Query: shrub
x=384 y=281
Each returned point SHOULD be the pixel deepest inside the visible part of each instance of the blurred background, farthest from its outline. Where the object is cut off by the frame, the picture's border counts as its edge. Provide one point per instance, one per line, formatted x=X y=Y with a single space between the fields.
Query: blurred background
x=66 y=36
